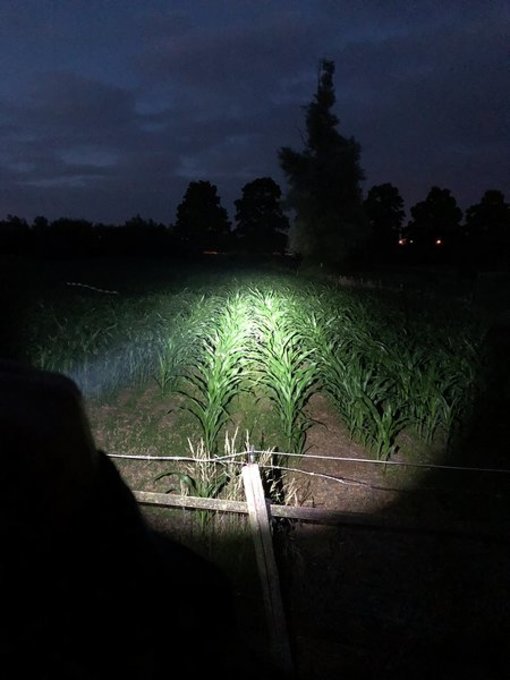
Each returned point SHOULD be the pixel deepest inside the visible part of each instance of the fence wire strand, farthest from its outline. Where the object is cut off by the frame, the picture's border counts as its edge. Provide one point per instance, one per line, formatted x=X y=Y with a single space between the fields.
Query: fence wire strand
x=344 y=459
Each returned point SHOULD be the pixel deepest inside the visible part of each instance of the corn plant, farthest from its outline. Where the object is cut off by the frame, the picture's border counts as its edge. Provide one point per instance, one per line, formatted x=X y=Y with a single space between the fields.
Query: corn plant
x=285 y=369
x=385 y=424
x=217 y=372
x=172 y=354
x=363 y=394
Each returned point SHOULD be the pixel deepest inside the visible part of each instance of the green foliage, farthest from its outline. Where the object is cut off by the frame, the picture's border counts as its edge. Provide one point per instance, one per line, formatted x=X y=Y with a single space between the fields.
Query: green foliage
x=285 y=368
x=385 y=363
x=215 y=376
x=198 y=485
x=169 y=359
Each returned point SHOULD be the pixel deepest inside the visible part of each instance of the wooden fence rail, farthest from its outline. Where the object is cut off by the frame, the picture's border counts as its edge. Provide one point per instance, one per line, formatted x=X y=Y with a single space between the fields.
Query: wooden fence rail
x=323 y=517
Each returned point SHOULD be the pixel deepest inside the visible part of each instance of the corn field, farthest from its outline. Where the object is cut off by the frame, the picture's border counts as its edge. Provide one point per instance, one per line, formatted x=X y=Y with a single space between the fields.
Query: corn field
x=386 y=364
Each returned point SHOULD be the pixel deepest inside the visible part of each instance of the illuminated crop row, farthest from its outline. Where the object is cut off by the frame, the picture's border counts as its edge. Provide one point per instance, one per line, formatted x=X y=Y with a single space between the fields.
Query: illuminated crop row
x=384 y=364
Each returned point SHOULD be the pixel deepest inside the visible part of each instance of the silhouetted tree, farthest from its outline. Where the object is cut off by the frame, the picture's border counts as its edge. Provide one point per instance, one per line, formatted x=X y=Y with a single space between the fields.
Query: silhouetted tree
x=488 y=229
x=69 y=236
x=435 y=221
x=202 y=223
x=261 y=222
x=144 y=236
x=489 y=219
x=384 y=207
x=41 y=235
x=324 y=182
x=16 y=222
x=14 y=235
x=40 y=223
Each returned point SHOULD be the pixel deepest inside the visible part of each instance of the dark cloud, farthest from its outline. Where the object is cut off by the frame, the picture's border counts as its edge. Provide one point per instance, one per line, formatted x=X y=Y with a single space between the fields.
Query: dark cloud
x=433 y=108
x=110 y=111
x=238 y=58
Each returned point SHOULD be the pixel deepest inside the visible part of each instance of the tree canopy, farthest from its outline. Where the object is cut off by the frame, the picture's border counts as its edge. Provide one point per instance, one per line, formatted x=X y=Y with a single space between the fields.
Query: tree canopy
x=488 y=229
x=202 y=223
x=436 y=218
x=491 y=217
x=261 y=222
x=384 y=207
x=324 y=181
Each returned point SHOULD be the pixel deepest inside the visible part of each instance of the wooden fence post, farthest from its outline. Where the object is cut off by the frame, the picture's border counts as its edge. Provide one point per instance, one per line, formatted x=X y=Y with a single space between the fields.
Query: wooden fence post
x=268 y=571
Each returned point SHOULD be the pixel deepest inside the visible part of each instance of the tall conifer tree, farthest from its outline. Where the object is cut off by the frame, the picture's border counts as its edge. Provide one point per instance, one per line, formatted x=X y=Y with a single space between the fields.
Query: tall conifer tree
x=324 y=182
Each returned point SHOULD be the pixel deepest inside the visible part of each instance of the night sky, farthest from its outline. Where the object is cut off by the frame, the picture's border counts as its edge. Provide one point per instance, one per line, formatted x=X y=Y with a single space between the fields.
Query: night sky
x=109 y=108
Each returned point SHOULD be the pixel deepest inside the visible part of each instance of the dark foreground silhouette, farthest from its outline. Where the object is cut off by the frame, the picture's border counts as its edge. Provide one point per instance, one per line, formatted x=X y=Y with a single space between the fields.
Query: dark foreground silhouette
x=88 y=591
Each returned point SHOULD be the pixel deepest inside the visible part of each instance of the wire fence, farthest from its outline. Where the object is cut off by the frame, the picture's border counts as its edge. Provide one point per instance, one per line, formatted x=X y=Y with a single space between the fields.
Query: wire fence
x=240 y=459
x=425 y=521
x=287 y=454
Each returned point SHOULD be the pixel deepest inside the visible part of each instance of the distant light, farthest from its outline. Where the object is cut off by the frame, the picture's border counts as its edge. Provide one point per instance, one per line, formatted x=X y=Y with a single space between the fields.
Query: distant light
x=439 y=242
x=401 y=241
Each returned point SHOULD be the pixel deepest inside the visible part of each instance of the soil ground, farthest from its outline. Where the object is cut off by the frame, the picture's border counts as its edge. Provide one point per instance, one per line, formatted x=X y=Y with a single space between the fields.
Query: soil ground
x=424 y=603
x=425 y=597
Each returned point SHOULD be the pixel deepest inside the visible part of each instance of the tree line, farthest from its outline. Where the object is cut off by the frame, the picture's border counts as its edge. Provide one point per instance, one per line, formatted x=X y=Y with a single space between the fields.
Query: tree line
x=201 y=226
x=324 y=217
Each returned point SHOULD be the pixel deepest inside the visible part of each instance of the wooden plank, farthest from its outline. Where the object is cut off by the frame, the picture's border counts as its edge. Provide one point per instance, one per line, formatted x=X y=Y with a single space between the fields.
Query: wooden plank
x=325 y=517
x=171 y=500
x=241 y=507
x=268 y=570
